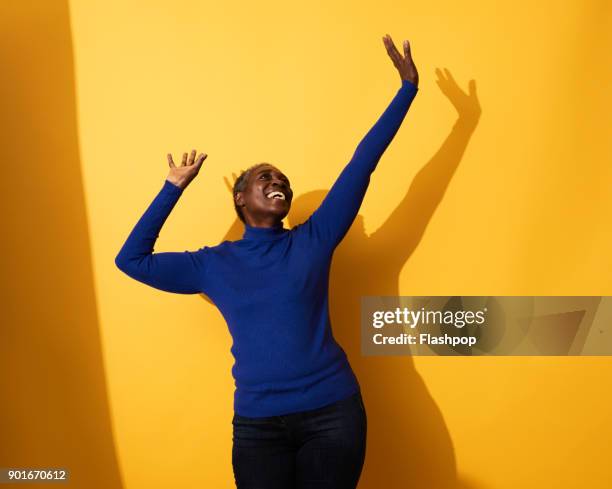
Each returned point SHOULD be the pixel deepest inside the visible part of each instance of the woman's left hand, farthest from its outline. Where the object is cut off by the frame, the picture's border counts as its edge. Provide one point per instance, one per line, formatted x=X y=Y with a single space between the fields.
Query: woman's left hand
x=404 y=64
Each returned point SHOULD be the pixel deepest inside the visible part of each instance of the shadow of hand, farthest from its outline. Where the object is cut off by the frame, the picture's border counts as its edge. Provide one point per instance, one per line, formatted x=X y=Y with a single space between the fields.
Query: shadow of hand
x=230 y=183
x=466 y=104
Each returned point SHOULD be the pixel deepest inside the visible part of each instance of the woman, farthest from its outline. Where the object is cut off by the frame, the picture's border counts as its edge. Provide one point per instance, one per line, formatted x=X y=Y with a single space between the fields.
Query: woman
x=299 y=418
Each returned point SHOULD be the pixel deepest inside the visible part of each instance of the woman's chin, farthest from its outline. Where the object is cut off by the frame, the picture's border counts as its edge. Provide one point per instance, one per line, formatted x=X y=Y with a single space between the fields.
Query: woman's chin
x=279 y=206
x=282 y=213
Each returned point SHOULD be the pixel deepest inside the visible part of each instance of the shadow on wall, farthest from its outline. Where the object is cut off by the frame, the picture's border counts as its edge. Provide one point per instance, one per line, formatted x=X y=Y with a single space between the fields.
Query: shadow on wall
x=408 y=442
x=55 y=408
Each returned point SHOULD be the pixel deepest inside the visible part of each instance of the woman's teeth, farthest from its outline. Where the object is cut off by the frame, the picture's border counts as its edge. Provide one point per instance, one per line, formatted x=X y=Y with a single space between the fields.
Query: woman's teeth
x=276 y=195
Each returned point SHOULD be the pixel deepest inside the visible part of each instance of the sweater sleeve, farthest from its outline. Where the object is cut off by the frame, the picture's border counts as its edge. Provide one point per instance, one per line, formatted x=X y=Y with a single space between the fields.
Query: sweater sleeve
x=333 y=218
x=178 y=272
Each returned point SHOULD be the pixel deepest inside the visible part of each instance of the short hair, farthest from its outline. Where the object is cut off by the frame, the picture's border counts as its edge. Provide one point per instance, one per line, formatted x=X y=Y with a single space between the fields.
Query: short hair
x=240 y=185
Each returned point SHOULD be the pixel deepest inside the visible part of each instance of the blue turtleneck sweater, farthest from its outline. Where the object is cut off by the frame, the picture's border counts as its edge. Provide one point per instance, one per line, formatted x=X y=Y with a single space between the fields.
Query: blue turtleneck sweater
x=272 y=285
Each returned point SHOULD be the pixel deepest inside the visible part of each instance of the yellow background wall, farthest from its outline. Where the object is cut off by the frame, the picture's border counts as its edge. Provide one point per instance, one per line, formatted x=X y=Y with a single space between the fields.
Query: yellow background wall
x=137 y=381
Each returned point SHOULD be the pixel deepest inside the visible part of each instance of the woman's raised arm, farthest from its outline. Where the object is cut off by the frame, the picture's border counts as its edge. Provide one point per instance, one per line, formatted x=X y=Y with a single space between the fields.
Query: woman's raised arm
x=330 y=222
x=178 y=272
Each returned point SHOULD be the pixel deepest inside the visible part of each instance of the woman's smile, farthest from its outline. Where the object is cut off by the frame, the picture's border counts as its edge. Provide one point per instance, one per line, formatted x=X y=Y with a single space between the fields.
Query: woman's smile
x=276 y=194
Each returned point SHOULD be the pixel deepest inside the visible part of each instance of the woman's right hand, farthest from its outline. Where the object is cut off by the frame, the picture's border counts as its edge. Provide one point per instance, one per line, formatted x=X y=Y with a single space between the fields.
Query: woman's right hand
x=182 y=175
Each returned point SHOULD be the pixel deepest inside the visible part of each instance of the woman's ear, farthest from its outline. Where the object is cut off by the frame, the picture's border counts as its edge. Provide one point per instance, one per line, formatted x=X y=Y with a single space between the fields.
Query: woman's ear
x=239 y=199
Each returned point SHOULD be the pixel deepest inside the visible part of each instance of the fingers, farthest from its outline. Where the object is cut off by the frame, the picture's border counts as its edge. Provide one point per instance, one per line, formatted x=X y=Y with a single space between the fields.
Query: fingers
x=407 y=53
x=190 y=161
x=392 y=50
x=201 y=159
x=191 y=157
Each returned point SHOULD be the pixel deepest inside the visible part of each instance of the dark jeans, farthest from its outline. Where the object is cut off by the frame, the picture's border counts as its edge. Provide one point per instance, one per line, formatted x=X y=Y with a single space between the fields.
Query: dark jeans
x=320 y=448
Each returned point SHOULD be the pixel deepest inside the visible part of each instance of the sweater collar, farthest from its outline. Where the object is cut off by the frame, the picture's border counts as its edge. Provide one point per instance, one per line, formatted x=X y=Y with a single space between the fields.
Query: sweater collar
x=263 y=234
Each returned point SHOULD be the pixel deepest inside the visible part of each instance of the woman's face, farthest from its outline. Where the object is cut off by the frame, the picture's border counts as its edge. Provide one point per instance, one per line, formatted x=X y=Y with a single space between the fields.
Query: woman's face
x=267 y=195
